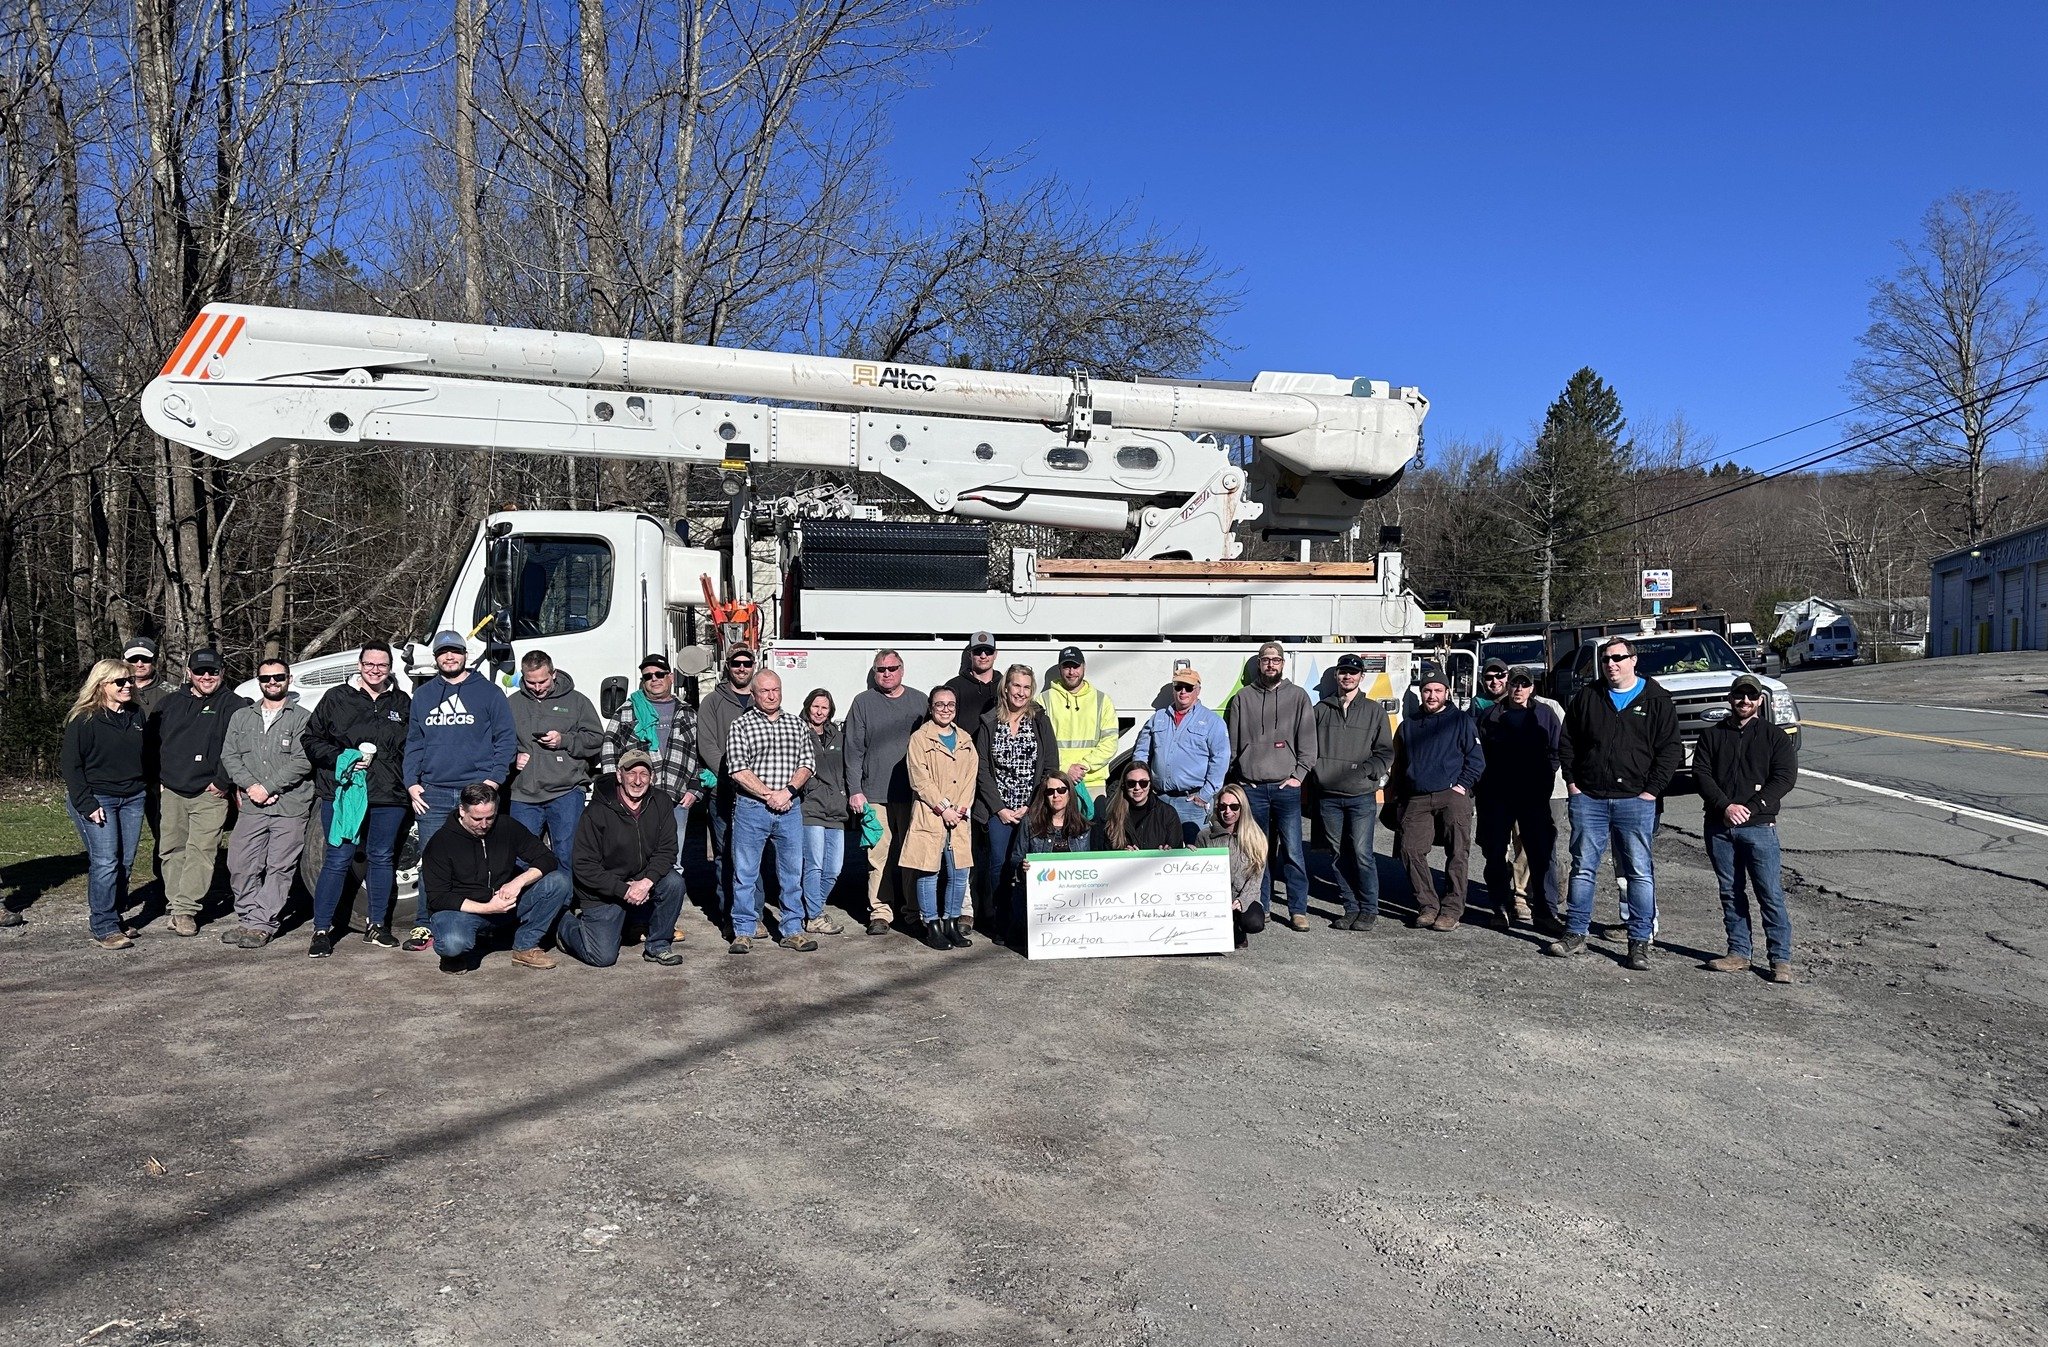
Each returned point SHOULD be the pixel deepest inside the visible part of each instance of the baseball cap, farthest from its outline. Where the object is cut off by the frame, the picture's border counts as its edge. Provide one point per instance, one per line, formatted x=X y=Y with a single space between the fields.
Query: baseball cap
x=1432 y=674
x=1746 y=683
x=635 y=757
x=1521 y=678
x=1072 y=655
x=450 y=639
x=140 y=648
x=1494 y=666
x=654 y=659
x=204 y=660
x=1350 y=664
x=736 y=652
x=982 y=640
x=1188 y=676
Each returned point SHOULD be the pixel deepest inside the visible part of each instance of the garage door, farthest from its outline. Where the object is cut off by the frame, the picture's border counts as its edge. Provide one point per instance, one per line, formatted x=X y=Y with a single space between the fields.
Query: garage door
x=2038 y=637
x=1982 y=615
x=1955 y=617
x=2012 y=609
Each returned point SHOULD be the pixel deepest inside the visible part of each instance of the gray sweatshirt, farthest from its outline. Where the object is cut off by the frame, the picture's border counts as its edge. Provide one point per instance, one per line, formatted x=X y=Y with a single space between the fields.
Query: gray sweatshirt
x=274 y=758
x=715 y=715
x=877 y=738
x=1272 y=733
x=1353 y=748
x=551 y=773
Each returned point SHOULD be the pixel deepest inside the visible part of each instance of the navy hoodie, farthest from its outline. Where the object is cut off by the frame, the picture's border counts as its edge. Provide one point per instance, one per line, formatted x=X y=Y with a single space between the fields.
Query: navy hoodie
x=458 y=734
x=1437 y=751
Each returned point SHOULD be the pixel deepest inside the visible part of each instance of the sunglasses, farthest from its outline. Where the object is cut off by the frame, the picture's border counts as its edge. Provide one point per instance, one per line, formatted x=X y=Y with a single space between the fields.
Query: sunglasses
x=739 y=664
x=122 y=682
x=982 y=650
x=888 y=668
x=206 y=673
x=1617 y=659
x=273 y=678
x=1745 y=696
x=1228 y=808
x=142 y=659
x=1494 y=677
x=1186 y=687
x=653 y=675
x=1058 y=790
x=1141 y=783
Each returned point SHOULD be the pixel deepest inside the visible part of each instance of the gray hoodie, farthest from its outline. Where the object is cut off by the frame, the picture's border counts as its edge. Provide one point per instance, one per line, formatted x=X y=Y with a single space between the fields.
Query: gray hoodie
x=551 y=773
x=1272 y=733
x=275 y=758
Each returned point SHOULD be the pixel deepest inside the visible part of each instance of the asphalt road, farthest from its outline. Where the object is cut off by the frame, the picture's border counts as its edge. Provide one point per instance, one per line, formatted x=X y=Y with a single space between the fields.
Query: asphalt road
x=1394 y=1137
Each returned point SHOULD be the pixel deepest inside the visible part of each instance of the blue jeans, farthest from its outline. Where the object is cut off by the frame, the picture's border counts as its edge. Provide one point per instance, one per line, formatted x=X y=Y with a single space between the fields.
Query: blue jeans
x=1627 y=825
x=1193 y=817
x=754 y=826
x=824 y=855
x=382 y=827
x=1751 y=852
x=1005 y=869
x=928 y=887
x=595 y=934
x=1277 y=809
x=442 y=802
x=456 y=932
x=109 y=856
x=559 y=817
x=1347 y=825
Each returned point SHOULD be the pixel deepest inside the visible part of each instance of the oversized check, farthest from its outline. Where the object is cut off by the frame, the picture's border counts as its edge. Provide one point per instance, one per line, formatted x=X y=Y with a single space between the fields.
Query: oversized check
x=1100 y=904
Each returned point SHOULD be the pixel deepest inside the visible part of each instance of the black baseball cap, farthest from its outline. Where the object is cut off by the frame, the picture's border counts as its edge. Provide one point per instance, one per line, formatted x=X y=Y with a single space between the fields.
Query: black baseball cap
x=1521 y=678
x=1350 y=664
x=1072 y=655
x=205 y=660
x=654 y=660
x=1746 y=683
x=1494 y=666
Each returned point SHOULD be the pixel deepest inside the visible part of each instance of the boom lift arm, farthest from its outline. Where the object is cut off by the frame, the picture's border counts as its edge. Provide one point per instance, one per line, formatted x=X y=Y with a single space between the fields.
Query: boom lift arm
x=1075 y=452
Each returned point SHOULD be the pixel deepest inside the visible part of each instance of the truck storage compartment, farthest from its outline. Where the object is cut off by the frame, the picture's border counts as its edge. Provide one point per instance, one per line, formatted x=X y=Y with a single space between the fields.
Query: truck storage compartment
x=892 y=554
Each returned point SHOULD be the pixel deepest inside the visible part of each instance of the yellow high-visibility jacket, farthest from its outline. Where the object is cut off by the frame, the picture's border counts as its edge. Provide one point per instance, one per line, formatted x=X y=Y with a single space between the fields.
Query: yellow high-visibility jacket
x=1084 y=721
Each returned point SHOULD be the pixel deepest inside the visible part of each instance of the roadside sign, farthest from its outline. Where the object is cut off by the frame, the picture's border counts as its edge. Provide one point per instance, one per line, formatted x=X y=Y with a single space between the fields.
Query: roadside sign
x=1657 y=584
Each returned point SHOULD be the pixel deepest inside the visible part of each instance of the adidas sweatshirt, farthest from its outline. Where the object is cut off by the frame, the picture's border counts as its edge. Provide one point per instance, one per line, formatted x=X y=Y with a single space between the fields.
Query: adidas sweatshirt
x=459 y=733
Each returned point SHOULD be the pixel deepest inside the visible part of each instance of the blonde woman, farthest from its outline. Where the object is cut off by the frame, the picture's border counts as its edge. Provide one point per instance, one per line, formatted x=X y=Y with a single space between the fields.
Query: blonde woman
x=1017 y=749
x=1231 y=825
x=104 y=789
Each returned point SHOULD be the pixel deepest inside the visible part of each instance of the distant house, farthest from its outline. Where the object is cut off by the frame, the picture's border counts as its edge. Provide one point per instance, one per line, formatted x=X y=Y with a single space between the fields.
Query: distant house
x=1991 y=595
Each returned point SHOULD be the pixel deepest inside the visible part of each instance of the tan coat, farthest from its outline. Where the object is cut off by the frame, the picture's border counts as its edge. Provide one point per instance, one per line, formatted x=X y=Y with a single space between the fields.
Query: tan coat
x=938 y=776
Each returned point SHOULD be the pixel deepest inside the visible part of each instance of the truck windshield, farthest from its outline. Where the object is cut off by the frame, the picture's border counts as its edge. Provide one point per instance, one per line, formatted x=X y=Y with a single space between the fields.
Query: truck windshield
x=559 y=585
x=1701 y=653
x=1514 y=650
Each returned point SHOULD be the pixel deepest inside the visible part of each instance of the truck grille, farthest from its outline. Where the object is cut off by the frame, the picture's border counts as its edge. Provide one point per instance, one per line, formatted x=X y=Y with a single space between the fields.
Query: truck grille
x=1692 y=712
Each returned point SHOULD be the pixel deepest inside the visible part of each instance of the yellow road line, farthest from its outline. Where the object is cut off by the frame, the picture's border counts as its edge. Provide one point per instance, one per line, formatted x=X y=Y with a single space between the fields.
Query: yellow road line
x=1928 y=739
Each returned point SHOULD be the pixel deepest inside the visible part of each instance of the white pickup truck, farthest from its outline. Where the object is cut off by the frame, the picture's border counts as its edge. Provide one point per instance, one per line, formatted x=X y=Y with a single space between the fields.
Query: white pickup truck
x=1696 y=668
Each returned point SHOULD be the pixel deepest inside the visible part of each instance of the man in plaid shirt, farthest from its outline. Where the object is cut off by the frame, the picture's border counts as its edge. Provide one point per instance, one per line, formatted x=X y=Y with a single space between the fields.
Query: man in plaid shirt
x=655 y=721
x=768 y=757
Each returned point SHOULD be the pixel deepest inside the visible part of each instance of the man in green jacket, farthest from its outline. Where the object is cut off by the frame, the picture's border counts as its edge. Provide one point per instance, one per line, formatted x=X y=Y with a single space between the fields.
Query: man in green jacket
x=265 y=757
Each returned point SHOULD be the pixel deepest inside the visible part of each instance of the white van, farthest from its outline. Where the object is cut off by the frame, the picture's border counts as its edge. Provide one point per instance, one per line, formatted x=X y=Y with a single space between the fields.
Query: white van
x=1831 y=642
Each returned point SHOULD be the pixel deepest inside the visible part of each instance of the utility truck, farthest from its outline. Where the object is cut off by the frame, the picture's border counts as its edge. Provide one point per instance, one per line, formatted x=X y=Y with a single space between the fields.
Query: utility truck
x=817 y=578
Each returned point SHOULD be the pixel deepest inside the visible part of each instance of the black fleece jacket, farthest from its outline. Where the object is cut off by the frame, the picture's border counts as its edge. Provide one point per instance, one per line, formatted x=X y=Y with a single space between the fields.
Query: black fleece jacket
x=1610 y=754
x=615 y=846
x=348 y=717
x=457 y=867
x=1754 y=766
x=102 y=755
x=186 y=735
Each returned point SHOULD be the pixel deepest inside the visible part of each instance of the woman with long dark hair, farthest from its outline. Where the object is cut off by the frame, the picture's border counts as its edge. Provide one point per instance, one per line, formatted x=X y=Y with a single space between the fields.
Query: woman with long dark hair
x=1056 y=822
x=104 y=788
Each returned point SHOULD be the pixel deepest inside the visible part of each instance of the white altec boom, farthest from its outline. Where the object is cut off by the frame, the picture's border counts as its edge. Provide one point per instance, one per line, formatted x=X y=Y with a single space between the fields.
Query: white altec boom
x=598 y=589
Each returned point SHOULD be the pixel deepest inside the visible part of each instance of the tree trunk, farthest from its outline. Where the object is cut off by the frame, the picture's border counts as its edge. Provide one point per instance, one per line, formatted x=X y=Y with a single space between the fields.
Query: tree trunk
x=470 y=17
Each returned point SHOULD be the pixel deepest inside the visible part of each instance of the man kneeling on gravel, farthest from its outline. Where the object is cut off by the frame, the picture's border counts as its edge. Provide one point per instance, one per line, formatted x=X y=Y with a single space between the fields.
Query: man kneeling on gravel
x=625 y=861
x=490 y=874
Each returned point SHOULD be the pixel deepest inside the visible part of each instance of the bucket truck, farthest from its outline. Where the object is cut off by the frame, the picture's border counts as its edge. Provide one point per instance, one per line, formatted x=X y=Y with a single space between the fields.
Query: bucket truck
x=1150 y=461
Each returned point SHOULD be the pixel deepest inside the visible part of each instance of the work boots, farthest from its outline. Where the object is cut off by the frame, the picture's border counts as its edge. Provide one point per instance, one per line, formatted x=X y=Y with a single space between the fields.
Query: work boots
x=1638 y=960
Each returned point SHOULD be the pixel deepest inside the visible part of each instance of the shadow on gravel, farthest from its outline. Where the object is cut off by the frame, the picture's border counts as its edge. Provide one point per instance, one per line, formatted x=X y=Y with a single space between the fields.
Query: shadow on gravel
x=139 y=1237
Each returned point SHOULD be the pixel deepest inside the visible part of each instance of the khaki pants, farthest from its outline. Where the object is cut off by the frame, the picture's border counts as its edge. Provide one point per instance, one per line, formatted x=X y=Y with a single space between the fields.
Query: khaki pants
x=263 y=854
x=885 y=878
x=190 y=839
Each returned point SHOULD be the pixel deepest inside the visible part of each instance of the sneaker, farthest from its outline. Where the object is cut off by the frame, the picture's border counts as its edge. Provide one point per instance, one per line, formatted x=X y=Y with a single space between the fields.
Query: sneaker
x=534 y=958
x=454 y=964
x=118 y=940
x=798 y=941
x=1566 y=947
x=322 y=945
x=876 y=926
x=664 y=956
x=182 y=925
x=1729 y=963
x=823 y=926
x=1781 y=973
x=740 y=945
x=380 y=936
x=1638 y=960
x=420 y=938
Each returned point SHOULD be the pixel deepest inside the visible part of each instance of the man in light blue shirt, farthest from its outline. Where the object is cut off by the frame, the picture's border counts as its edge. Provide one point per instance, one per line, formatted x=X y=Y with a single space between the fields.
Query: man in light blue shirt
x=1187 y=746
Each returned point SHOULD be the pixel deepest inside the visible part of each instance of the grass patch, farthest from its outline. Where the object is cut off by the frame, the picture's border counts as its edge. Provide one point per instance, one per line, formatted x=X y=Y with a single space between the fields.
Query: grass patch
x=39 y=852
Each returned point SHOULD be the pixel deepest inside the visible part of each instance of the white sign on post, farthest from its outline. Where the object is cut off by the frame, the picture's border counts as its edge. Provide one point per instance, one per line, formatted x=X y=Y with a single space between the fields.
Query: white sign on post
x=1657 y=584
x=1102 y=904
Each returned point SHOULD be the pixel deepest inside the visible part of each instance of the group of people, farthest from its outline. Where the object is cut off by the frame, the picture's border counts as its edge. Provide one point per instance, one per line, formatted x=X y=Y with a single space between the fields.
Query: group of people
x=571 y=824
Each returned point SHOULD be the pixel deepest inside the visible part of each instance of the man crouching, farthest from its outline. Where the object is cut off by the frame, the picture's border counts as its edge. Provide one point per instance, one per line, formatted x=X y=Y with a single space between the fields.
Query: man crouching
x=489 y=873
x=625 y=860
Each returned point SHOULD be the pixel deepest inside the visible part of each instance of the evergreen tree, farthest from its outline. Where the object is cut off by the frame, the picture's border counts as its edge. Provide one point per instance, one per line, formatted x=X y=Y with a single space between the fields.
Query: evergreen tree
x=1563 y=489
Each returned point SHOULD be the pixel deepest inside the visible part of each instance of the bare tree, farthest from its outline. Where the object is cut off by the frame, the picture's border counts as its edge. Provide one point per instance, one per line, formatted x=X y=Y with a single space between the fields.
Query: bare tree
x=1956 y=340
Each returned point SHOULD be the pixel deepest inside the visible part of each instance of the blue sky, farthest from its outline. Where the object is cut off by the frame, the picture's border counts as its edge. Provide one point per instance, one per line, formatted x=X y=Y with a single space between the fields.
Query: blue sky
x=1479 y=198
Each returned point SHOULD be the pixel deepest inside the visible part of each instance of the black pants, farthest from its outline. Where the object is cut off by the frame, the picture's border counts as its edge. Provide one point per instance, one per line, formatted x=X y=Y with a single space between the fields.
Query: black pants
x=595 y=934
x=1500 y=813
x=1250 y=921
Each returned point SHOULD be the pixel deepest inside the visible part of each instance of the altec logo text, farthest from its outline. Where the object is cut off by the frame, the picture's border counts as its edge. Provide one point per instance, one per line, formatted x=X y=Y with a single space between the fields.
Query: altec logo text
x=894 y=376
